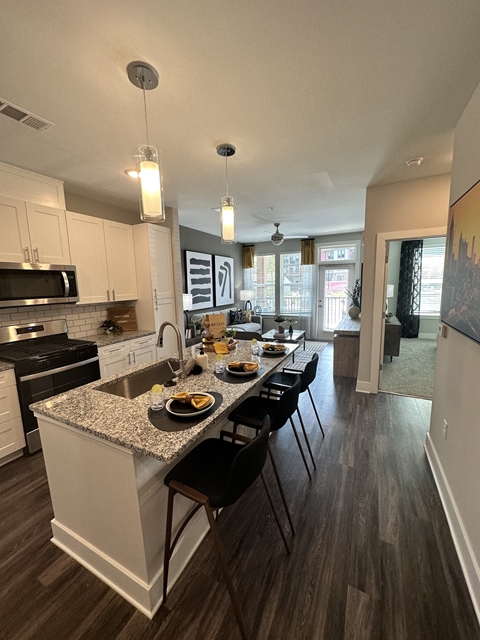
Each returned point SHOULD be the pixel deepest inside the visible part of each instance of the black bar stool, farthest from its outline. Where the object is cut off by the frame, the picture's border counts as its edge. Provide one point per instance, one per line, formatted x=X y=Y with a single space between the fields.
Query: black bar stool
x=279 y=381
x=215 y=474
x=254 y=409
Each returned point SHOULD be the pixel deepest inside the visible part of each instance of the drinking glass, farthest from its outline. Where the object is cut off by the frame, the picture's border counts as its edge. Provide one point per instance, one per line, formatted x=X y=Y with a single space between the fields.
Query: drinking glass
x=219 y=364
x=157 y=400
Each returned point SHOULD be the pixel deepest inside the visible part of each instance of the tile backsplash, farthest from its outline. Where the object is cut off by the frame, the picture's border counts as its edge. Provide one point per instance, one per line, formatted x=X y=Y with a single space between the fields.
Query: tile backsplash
x=83 y=320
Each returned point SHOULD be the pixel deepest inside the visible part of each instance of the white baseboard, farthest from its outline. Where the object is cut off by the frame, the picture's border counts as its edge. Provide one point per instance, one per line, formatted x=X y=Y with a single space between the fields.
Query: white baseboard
x=146 y=597
x=468 y=562
x=427 y=336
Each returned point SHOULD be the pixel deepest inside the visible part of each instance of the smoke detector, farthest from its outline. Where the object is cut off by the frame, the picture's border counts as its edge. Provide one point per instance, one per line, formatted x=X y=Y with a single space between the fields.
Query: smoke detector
x=23 y=116
x=414 y=162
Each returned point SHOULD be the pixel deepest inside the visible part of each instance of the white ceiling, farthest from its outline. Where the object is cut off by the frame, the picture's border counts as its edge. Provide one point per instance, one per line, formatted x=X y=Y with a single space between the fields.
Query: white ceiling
x=321 y=99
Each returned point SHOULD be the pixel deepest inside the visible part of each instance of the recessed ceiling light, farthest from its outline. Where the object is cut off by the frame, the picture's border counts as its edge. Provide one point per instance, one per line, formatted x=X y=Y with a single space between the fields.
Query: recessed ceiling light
x=414 y=162
x=133 y=173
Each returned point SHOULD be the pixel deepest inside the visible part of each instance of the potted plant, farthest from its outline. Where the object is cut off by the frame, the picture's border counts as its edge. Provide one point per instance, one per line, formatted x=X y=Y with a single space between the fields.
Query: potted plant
x=197 y=322
x=110 y=327
x=354 y=296
x=279 y=319
x=291 y=321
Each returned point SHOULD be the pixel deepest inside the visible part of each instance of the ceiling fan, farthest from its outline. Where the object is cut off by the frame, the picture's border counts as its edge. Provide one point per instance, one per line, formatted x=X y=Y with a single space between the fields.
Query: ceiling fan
x=277 y=237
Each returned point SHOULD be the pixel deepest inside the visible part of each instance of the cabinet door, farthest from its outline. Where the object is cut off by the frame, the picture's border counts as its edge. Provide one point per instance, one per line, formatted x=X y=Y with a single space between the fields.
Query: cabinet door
x=143 y=355
x=48 y=234
x=12 y=437
x=120 y=260
x=87 y=245
x=166 y=311
x=14 y=238
x=159 y=241
x=115 y=359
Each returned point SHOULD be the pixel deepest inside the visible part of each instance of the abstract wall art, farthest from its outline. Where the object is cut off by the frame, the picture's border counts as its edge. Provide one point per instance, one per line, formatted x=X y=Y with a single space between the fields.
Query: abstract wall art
x=199 y=276
x=224 y=281
x=461 y=280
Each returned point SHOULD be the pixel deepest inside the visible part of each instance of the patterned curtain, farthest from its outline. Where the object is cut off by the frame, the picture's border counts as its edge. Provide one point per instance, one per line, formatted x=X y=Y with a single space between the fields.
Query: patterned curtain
x=408 y=301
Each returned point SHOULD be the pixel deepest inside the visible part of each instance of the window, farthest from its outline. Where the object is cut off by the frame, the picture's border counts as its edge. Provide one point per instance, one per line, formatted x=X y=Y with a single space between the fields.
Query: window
x=332 y=254
x=433 y=258
x=294 y=295
x=264 y=282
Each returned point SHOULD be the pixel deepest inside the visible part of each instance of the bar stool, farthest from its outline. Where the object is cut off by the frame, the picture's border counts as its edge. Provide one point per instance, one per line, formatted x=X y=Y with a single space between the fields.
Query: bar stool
x=282 y=380
x=254 y=409
x=215 y=474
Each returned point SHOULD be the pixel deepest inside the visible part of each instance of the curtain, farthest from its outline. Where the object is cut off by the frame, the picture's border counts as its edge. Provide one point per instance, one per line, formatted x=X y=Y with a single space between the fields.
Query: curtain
x=308 y=252
x=408 y=301
x=306 y=316
x=248 y=280
x=248 y=257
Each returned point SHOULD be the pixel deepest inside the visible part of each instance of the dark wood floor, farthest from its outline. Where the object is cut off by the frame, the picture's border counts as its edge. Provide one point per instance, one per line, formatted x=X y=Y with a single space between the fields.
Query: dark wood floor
x=372 y=560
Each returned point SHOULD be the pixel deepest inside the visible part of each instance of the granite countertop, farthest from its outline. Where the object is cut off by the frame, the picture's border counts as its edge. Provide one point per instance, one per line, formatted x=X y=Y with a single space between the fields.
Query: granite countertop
x=125 y=422
x=4 y=366
x=105 y=341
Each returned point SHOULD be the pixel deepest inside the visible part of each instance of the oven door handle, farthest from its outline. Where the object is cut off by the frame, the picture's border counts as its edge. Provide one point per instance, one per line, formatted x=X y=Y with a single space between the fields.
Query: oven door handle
x=42 y=374
x=66 y=283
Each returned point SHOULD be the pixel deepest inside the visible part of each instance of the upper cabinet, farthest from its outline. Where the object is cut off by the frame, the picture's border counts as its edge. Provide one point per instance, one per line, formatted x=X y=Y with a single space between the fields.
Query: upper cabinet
x=87 y=245
x=104 y=256
x=160 y=244
x=32 y=233
x=120 y=260
x=48 y=234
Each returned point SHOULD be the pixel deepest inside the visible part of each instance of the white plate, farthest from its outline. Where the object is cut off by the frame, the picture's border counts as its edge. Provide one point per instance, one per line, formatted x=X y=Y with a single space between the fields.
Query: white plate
x=194 y=412
x=242 y=373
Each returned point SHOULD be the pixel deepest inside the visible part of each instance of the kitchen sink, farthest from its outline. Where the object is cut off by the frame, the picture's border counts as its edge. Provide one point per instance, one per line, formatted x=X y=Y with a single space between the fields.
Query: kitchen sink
x=141 y=382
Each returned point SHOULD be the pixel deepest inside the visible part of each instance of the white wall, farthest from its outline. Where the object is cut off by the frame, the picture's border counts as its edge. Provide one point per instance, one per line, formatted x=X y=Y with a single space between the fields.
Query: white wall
x=456 y=396
x=402 y=206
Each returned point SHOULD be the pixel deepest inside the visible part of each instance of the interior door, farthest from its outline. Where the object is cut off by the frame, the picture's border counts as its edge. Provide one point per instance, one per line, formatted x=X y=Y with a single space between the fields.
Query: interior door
x=382 y=337
x=14 y=237
x=333 y=302
x=48 y=234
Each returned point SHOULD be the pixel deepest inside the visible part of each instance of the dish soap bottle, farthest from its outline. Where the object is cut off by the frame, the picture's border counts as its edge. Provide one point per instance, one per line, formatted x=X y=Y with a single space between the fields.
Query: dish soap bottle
x=202 y=359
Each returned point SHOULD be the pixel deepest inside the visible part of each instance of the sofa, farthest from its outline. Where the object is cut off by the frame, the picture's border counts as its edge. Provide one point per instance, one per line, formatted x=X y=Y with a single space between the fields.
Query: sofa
x=256 y=325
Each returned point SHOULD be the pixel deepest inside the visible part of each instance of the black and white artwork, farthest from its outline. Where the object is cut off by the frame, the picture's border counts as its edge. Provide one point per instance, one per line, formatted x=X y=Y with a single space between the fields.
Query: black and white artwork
x=224 y=281
x=199 y=279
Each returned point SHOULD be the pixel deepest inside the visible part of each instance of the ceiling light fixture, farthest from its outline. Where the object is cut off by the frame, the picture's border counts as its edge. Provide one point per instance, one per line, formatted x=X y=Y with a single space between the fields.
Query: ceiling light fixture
x=414 y=162
x=132 y=173
x=152 y=206
x=227 y=213
x=277 y=237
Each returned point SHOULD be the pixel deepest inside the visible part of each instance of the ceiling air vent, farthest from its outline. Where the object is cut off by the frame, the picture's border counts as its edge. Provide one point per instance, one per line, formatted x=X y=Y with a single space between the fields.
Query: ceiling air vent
x=23 y=116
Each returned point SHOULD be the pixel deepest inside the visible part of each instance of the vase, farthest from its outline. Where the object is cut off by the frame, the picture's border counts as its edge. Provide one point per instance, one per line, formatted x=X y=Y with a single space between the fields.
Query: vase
x=354 y=312
x=280 y=329
x=290 y=329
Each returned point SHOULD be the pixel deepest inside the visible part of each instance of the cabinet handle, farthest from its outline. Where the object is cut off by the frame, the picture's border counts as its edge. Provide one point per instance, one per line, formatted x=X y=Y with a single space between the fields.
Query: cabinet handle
x=156 y=305
x=134 y=358
x=108 y=295
x=38 y=257
x=27 y=254
x=143 y=342
x=129 y=360
x=155 y=293
x=113 y=350
x=113 y=294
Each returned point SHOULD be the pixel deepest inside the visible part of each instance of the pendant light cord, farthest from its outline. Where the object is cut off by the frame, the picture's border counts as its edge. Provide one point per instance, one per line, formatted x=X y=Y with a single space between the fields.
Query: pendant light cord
x=145 y=108
x=226 y=169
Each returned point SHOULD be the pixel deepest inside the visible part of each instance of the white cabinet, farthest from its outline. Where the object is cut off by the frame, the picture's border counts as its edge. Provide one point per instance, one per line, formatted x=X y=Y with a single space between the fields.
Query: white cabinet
x=104 y=256
x=48 y=234
x=12 y=437
x=87 y=245
x=114 y=358
x=165 y=310
x=14 y=237
x=119 y=357
x=120 y=260
x=32 y=233
x=161 y=263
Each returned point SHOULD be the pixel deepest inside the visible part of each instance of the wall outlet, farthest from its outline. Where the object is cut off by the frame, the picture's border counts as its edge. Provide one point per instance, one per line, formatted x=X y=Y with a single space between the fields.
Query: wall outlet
x=445 y=429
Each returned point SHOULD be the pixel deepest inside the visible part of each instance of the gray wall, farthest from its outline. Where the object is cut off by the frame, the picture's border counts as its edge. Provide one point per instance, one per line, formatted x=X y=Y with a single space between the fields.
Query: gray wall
x=192 y=240
x=89 y=207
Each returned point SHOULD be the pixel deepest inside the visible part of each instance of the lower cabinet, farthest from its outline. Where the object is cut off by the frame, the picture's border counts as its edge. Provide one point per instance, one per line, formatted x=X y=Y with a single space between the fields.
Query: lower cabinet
x=119 y=357
x=12 y=437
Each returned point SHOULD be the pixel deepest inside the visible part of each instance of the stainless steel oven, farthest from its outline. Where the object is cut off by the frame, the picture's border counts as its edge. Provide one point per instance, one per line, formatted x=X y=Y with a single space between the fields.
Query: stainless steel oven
x=23 y=283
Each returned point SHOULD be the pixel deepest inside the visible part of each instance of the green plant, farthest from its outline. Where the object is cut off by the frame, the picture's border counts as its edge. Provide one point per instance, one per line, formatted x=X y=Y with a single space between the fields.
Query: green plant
x=110 y=324
x=279 y=319
x=229 y=333
x=355 y=294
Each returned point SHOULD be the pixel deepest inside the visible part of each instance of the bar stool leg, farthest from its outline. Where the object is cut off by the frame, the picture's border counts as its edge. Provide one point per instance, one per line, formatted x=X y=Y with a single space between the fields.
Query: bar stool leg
x=280 y=488
x=306 y=438
x=225 y=570
x=301 y=449
x=275 y=513
x=168 y=538
x=315 y=409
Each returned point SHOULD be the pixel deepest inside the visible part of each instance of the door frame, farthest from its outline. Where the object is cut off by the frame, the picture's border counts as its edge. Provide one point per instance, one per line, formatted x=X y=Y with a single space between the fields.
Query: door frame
x=381 y=239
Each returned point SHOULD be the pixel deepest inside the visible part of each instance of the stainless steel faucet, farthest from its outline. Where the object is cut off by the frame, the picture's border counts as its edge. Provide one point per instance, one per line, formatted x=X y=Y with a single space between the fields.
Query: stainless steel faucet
x=181 y=371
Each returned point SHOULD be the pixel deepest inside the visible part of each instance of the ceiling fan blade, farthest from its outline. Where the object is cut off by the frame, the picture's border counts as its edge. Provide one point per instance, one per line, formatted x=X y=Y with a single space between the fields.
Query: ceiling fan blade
x=294 y=237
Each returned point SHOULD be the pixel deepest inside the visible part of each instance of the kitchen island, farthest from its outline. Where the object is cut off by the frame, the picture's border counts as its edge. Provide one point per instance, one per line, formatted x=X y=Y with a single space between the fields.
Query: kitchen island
x=106 y=463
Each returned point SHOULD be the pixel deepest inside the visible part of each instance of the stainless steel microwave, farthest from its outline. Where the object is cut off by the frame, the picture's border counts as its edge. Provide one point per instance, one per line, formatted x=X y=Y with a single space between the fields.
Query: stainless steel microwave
x=26 y=284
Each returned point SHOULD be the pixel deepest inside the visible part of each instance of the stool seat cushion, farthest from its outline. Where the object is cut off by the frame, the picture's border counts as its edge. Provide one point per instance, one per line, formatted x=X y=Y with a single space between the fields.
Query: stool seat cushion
x=257 y=408
x=280 y=380
x=206 y=469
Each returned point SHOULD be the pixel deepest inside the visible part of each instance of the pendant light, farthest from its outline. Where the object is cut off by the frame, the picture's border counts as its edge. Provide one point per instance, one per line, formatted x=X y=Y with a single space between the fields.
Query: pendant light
x=152 y=206
x=227 y=212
